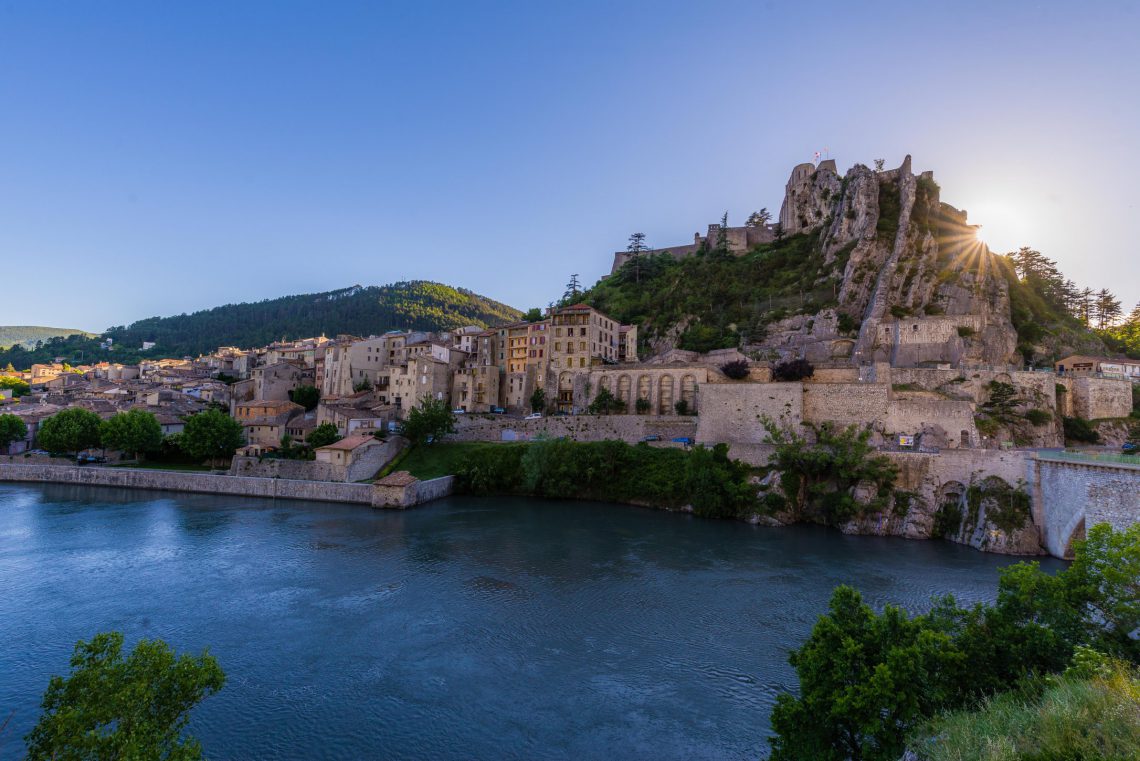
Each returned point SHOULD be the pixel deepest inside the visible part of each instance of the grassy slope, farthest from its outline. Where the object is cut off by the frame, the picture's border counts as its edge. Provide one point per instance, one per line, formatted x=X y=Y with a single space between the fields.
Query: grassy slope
x=435 y=460
x=1073 y=719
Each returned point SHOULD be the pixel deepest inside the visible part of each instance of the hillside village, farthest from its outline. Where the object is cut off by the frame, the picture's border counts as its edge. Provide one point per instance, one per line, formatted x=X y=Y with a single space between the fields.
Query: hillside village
x=916 y=342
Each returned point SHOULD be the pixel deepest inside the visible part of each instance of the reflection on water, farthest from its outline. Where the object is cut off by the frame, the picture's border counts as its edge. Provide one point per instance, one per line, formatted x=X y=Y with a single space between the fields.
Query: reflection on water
x=469 y=628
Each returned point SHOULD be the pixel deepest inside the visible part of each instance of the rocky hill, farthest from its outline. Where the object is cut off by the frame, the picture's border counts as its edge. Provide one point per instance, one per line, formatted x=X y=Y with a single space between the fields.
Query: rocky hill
x=866 y=267
x=415 y=305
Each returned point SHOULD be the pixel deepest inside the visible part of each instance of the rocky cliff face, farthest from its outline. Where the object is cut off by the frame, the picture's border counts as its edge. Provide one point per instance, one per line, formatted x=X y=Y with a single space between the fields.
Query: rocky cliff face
x=917 y=286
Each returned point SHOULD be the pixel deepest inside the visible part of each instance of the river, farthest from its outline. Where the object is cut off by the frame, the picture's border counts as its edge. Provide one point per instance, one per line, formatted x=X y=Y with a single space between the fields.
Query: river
x=465 y=629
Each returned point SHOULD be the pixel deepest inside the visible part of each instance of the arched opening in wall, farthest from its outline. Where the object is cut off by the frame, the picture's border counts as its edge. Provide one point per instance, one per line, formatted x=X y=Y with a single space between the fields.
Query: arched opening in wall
x=951 y=509
x=565 y=392
x=604 y=383
x=1078 y=535
x=689 y=392
x=623 y=387
x=665 y=395
x=965 y=440
x=643 y=387
x=1004 y=378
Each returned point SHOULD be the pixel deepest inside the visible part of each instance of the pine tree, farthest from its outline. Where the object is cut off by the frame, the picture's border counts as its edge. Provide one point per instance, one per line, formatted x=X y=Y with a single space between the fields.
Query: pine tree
x=759 y=218
x=573 y=289
x=636 y=248
x=1106 y=308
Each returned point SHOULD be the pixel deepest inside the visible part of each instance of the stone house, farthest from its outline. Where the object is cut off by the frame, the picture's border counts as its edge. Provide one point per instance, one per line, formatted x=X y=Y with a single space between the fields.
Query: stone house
x=425 y=377
x=265 y=420
x=475 y=389
x=276 y=380
x=581 y=336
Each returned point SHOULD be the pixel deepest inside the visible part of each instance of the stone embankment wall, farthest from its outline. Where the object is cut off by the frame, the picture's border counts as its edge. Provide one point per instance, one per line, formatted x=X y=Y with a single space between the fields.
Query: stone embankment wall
x=628 y=428
x=1070 y=496
x=203 y=483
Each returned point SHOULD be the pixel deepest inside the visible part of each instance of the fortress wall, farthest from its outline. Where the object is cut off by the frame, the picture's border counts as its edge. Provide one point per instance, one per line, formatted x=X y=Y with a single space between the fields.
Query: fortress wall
x=834 y=375
x=845 y=403
x=1101 y=397
x=911 y=416
x=733 y=412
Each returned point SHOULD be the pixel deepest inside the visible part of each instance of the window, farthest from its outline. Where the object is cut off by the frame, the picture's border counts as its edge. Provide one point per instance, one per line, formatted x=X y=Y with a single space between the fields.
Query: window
x=582 y=345
x=581 y=362
x=581 y=331
x=558 y=346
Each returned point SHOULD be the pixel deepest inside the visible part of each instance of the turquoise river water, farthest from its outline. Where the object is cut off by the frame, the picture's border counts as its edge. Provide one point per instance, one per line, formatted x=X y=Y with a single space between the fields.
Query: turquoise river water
x=465 y=629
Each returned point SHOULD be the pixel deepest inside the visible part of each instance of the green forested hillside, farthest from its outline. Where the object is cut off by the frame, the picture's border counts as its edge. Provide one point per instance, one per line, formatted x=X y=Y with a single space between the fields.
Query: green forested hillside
x=10 y=335
x=417 y=305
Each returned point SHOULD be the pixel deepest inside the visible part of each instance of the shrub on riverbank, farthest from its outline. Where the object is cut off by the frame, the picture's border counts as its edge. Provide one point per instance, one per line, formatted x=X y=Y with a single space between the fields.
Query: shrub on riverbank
x=867 y=679
x=613 y=471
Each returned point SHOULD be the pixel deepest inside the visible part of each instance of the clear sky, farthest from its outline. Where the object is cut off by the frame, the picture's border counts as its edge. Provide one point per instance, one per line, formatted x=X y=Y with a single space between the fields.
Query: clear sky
x=161 y=157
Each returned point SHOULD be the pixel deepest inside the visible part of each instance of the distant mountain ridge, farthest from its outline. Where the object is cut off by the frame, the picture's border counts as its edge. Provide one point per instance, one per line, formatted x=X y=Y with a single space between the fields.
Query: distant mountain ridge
x=357 y=310
x=27 y=335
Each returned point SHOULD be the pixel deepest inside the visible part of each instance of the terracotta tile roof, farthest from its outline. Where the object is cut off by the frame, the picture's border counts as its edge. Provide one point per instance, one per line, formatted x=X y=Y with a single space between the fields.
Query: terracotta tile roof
x=351 y=442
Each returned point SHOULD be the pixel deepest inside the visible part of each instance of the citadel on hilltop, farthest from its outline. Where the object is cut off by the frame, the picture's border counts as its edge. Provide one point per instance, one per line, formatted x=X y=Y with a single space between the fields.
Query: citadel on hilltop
x=914 y=341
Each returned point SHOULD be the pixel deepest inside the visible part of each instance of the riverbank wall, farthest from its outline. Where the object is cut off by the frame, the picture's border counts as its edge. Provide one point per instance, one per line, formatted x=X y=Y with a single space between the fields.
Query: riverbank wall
x=200 y=483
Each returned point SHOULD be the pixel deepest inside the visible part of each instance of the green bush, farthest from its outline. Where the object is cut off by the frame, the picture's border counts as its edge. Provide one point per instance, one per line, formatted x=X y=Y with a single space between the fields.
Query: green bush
x=614 y=471
x=1080 y=431
x=1039 y=417
x=869 y=680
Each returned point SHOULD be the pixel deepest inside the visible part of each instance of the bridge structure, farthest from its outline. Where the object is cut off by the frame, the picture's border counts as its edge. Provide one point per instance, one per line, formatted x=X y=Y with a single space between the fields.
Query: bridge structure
x=1074 y=490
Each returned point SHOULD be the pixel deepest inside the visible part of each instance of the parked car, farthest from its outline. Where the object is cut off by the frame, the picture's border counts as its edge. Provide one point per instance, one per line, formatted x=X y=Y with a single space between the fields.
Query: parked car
x=88 y=459
x=533 y=416
x=459 y=411
x=683 y=440
x=1130 y=447
x=651 y=437
x=498 y=411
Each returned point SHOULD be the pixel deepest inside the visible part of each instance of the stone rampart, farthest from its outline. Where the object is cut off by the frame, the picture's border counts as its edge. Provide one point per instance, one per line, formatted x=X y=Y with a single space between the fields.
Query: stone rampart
x=943 y=422
x=302 y=470
x=732 y=412
x=1101 y=397
x=203 y=483
x=845 y=403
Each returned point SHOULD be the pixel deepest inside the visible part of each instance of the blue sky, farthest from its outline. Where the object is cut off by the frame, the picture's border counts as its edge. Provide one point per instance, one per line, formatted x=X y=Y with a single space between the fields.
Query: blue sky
x=157 y=158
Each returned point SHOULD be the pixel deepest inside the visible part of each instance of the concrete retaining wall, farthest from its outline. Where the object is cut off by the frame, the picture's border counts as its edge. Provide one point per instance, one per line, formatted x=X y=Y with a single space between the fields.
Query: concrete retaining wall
x=202 y=483
x=1071 y=496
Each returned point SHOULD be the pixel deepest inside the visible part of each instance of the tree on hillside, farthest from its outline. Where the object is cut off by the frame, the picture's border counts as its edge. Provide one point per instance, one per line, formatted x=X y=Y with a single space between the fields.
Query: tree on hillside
x=306 y=396
x=132 y=707
x=135 y=432
x=722 y=235
x=19 y=386
x=12 y=429
x=534 y=314
x=429 y=422
x=211 y=435
x=573 y=290
x=323 y=435
x=1085 y=306
x=1106 y=308
x=71 y=430
x=879 y=164
x=759 y=218
x=538 y=400
x=636 y=249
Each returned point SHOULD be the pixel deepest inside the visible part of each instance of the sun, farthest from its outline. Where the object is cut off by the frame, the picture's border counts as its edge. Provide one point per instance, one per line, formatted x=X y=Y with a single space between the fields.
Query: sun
x=1001 y=225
